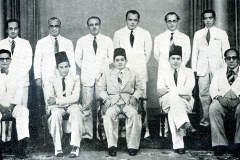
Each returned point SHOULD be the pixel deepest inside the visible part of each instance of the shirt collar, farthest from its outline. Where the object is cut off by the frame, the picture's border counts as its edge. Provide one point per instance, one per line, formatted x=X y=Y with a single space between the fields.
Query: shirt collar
x=134 y=30
x=92 y=37
x=175 y=32
x=118 y=71
x=15 y=39
x=212 y=28
x=53 y=38
x=235 y=70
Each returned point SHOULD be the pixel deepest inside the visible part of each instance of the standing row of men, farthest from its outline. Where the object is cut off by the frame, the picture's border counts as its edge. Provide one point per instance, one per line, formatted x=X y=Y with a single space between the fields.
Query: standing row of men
x=94 y=53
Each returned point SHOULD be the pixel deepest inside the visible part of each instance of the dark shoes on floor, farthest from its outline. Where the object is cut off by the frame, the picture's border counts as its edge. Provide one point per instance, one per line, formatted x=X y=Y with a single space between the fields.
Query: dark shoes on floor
x=132 y=152
x=112 y=151
x=219 y=150
x=180 y=151
x=22 y=145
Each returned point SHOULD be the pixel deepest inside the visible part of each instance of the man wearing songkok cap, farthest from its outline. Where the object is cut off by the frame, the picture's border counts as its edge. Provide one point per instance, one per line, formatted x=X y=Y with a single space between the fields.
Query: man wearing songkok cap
x=174 y=87
x=62 y=95
x=11 y=94
x=121 y=88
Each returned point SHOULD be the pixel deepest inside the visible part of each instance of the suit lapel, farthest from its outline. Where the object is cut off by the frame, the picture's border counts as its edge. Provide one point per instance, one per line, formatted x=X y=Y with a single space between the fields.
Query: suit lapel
x=125 y=78
x=69 y=85
x=113 y=77
x=181 y=77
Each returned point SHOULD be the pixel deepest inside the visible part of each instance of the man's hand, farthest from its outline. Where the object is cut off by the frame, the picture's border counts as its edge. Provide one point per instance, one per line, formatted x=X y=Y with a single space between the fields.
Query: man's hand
x=38 y=82
x=133 y=101
x=6 y=113
x=106 y=105
x=233 y=103
x=188 y=98
x=51 y=100
x=161 y=92
x=223 y=101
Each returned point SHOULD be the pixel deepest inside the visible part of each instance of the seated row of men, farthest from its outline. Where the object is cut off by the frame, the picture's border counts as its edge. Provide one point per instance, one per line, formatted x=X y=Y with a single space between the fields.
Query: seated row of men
x=121 y=88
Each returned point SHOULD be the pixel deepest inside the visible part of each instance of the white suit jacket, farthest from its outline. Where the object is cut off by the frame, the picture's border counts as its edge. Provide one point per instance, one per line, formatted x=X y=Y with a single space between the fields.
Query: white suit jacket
x=162 y=46
x=220 y=86
x=44 y=60
x=55 y=89
x=93 y=65
x=131 y=85
x=212 y=54
x=139 y=54
x=21 y=59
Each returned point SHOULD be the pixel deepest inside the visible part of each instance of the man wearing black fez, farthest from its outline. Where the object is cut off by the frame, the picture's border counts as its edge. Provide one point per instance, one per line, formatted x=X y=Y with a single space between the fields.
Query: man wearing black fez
x=175 y=87
x=120 y=89
x=62 y=98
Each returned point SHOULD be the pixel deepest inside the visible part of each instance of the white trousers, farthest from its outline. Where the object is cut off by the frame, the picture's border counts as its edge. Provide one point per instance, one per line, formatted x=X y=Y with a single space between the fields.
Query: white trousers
x=133 y=124
x=74 y=125
x=177 y=109
x=21 y=114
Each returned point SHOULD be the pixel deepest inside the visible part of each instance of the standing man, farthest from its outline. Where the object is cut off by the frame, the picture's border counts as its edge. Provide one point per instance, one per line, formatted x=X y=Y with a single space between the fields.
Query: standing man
x=21 y=53
x=164 y=42
x=93 y=55
x=175 y=87
x=138 y=45
x=44 y=68
x=209 y=45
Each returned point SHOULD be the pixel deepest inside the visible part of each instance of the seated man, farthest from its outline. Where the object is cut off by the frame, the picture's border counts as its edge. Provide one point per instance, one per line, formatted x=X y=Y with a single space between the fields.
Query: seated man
x=11 y=94
x=121 y=88
x=175 y=87
x=62 y=96
x=225 y=92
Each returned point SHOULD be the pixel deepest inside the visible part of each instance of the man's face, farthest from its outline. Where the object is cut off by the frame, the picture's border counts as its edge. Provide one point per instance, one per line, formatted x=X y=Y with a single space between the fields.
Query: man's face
x=5 y=61
x=208 y=20
x=63 y=68
x=120 y=62
x=94 y=26
x=132 y=21
x=13 y=30
x=232 y=60
x=54 y=28
x=172 y=22
x=175 y=61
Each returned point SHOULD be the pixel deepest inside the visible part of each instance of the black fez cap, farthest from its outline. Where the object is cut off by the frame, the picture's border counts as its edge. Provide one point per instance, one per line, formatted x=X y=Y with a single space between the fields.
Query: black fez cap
x=119 y=52
x=61 y=57
x=176 y=50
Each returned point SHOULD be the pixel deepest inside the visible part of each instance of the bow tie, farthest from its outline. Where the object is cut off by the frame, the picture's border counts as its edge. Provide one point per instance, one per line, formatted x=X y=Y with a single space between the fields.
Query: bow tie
x=4 y=71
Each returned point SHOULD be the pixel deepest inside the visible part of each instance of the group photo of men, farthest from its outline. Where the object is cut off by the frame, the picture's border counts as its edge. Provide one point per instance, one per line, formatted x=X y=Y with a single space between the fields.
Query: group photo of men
x=83 y=87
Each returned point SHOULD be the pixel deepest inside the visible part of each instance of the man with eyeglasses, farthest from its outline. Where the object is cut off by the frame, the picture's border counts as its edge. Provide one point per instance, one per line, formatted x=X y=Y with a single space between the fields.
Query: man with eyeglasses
x=44 y=66
x=209 y=45
x=225 y=93
x=137 y=43
x=21 y=53
x=164 y=42
x=93 y=56
x=11 y=94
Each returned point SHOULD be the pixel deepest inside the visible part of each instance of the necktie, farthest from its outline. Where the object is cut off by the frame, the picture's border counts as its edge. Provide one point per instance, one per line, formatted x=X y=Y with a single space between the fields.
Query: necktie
x=230 y=77
x=171 y=44
x=64 y=87
x=131 y=38
x=56 y=45
x=95 y=45
x=4 y=71
x=208 y=36
x=13 y=46
x=175 y=75
x=120 y=79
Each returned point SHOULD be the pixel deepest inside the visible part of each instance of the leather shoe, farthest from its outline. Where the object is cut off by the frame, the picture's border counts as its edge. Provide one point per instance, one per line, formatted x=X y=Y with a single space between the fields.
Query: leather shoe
x=112 y=151
x=59 y=153
x=219 y=150
x=180 y=151
x=132 y=152
x=74 y=153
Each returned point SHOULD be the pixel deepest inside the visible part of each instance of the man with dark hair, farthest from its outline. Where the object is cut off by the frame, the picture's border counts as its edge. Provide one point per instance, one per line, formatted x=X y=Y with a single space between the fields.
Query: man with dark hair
x=209 y=45
x=11 y=94
x=62 y=93
x=175 y=87
x=21 y=53
x=164 y=42
x=93 y=56
x=225 y=92
x=121 y=88
x=137 y=43
x=45 y=53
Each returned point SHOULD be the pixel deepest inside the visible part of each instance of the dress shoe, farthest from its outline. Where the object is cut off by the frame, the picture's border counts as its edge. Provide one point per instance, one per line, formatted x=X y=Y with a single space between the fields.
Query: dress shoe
x=180 y=151
x=75 y=152
x=112 y=151
x=219 y=150
x=22 y=145
x=59 y=153
x=132 y=152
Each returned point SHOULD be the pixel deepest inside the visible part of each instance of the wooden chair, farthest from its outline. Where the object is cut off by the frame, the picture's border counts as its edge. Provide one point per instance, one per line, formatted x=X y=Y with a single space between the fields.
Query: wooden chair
x=121 y=117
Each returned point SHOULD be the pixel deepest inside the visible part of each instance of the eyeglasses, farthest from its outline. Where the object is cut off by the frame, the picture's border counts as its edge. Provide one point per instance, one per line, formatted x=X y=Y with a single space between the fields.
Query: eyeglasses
x=52 y=26
x=174 y=21
x=7 y=59
x=233 y=58
x=205 y=18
